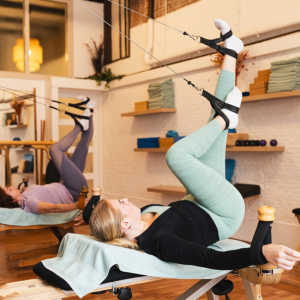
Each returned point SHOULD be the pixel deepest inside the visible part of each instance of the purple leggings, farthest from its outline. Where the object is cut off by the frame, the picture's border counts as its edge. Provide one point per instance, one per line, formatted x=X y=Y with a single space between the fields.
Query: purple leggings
x=71 y=170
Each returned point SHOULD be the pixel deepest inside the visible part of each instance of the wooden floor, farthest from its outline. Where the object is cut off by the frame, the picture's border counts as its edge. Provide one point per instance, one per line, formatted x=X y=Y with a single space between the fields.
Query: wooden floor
x=22 y=240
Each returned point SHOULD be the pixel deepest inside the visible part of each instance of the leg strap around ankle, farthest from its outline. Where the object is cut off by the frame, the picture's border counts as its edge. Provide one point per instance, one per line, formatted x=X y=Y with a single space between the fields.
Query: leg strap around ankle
x=217 y=104
x=211 y=98
x=213 y=44
x=75 y=116
x=79 y=105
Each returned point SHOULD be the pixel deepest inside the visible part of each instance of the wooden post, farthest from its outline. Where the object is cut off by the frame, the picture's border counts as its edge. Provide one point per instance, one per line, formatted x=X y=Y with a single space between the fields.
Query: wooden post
x=97 y=191
x=42 y=152
x=35 y=138
x=82 y=196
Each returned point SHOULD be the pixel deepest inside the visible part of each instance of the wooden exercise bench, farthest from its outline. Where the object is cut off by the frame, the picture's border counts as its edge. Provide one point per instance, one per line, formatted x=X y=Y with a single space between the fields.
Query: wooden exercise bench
x=34 y=256
x=252 y=278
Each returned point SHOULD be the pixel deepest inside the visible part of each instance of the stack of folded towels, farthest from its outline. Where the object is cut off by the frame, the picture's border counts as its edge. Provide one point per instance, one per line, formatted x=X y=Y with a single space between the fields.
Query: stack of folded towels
x=285 y=75
x=161 y=95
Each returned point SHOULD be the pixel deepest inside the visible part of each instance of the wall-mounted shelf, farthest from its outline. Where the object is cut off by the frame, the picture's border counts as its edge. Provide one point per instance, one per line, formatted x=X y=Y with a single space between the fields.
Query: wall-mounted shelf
x=151 y=149
x=15 y=126
x=149 y=112
x=167 y=189
x=22 y=149
x=228 y=149
x=180 y=191
x=24 y=174
x=271 y=96
x=256 y=149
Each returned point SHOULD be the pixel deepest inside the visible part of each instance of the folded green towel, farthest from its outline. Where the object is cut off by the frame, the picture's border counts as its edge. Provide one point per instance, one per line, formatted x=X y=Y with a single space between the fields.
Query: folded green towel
x=83 y=262
x=283 y=89
x=283 y=75
x=287 y=61
x=19 y=217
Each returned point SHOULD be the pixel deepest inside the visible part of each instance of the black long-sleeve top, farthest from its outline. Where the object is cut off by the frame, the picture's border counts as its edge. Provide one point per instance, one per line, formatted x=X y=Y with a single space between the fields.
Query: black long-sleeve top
x=181 y=235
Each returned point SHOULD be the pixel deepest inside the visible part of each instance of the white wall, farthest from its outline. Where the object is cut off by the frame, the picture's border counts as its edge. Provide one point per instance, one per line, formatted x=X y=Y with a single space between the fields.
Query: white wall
x=86 y=26
x=197 y=19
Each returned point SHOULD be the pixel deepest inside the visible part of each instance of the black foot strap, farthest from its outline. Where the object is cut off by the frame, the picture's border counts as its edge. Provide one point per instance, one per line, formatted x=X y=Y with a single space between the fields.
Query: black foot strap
x=217 y=105
x=75 y=117
x=213 y=44
x=79 y=105
x=262 y=236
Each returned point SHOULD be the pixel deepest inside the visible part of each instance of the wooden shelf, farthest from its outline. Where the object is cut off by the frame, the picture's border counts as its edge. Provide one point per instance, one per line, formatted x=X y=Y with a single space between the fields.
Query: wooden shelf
x=256 y=149
x=22 y=149
x=180 y=191
x=24 y=174
x=151 y=149
x=228 y=149
x=271 y=96
x=15 y=126
x=166 y=189
x=149 y=112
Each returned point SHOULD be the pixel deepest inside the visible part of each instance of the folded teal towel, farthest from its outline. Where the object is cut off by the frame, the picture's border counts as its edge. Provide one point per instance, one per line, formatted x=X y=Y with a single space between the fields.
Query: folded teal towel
x=19 y=217
x=84 y=262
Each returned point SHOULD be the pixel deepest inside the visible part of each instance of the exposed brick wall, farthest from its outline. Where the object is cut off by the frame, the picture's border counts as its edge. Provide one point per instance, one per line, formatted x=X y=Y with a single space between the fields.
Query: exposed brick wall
x=141 y=7
x=159 y=9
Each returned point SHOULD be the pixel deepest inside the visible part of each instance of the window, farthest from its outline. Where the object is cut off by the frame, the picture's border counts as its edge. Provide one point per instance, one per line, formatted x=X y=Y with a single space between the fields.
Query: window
x=11 y=30
x=48 y=29
x=38 y=26
x=116 y=45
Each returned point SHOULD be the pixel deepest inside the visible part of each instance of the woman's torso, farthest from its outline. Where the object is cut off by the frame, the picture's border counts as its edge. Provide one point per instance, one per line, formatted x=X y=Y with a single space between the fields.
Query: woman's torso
x=182 y=218
x=55 y=193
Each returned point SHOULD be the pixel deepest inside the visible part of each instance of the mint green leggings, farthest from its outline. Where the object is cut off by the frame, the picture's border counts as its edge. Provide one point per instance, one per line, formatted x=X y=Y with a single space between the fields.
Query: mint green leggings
x=198 y=161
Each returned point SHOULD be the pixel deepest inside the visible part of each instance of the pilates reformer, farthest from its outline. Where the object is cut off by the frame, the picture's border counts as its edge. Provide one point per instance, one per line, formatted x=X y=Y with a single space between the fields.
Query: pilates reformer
x=32 y=257
x=117 y=281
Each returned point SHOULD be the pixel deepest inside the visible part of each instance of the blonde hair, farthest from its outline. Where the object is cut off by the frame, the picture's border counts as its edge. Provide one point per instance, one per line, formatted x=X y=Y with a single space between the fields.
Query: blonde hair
x=105 y=225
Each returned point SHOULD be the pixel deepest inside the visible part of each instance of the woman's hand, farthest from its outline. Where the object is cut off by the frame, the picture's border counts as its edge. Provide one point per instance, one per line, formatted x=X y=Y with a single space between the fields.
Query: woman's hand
x=280 y=256
x=79 y=219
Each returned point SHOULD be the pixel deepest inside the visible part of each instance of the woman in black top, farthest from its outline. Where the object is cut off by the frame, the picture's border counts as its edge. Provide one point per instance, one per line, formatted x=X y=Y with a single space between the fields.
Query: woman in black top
x=212 y=209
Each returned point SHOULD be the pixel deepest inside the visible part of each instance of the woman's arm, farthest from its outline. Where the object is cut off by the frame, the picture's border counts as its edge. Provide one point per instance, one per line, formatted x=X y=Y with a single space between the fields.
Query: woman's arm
x=173 y=249
x=45 y=207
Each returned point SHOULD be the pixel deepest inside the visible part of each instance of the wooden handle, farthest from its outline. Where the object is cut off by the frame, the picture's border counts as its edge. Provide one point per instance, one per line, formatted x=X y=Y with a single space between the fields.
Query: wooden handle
x=82 y=196
x=267 y=266
x=97 y=191
x=266 y=213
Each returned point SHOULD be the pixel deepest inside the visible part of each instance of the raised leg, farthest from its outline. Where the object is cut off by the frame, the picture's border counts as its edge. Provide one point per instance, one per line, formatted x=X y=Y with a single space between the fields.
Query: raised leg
x=81 y=151
x=70 y=173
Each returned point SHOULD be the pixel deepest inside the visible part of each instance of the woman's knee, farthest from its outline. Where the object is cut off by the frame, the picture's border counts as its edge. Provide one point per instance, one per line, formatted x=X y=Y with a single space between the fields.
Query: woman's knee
x=172 y=155
x=52 y=150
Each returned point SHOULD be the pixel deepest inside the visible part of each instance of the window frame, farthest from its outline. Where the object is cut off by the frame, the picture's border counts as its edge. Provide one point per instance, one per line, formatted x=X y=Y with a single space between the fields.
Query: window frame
x=26 y=38
x=107 y=34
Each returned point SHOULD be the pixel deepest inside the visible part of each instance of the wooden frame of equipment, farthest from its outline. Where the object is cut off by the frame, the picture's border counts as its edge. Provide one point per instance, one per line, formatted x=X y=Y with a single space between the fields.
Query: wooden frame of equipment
x=34 y=256
x=42 y=290
x=252 y=278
